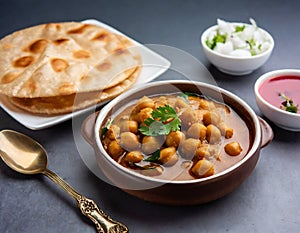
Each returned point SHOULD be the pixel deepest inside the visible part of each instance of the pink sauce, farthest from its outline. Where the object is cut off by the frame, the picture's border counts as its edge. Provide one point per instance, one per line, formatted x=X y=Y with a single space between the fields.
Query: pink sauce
x=288 y=85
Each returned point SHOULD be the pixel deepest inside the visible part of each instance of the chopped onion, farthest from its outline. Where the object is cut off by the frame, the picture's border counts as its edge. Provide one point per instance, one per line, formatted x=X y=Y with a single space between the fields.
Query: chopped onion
x=238 y=40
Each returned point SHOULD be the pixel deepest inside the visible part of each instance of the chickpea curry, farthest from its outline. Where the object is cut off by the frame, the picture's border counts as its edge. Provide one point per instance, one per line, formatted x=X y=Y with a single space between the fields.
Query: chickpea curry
x=179 y=136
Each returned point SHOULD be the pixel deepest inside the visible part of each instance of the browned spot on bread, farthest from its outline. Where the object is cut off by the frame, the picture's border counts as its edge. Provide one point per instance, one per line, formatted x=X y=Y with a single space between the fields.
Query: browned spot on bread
x=30 y=85
x=120 y=51
x=104 y=66
x=61 y=41
x=59 y=65
x=66 y=89
x=7 y=46
x=83 y=77
x=78 y=30
x=100 y=36
x=9 y=77
x=23 y=61
x=38 y=46
x=48 y=26
x=81 y=54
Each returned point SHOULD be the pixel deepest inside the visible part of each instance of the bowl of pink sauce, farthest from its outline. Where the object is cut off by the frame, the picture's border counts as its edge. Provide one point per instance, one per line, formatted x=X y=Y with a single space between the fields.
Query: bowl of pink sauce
x=278 y=97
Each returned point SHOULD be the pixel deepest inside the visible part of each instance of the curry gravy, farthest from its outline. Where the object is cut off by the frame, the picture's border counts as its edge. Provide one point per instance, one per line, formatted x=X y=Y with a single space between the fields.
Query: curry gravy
x=180 y=168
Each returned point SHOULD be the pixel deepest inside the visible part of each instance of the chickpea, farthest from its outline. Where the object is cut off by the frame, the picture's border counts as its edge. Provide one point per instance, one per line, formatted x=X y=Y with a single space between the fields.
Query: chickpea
x=211 y=117
x=180 y=103
x=175 y=138
x=105 y=142
x=168 y=156
x=113 y=132
x=163 y=100
x=203 y=168
x=215 y=151
x=115 y=150
x=189 y=147
x=151 y=144
x=129 y=125
x=160 y=103
x=186 y=164
x=134 y=116
x=226 y=131
x=213 y=134
x=203 y=152
x=223 y=107
x=129 y=141
x=144 y=114
x=206 y=104
x=197 y=130
x=144 y=102
x=134 y=156
x=233 y=148
x=199 y=115
x=150 y=170
x=188 y=117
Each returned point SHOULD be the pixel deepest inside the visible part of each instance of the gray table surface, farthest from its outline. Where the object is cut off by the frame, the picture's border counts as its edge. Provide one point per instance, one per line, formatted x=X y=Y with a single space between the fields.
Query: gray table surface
x=268 y=201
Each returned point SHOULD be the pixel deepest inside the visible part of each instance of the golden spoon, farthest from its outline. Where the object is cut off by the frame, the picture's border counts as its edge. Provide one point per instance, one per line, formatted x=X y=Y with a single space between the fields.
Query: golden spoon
x=24 y=155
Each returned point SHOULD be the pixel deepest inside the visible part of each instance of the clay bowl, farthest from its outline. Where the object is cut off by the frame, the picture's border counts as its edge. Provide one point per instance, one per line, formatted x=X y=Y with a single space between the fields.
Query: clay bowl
x=189 y=192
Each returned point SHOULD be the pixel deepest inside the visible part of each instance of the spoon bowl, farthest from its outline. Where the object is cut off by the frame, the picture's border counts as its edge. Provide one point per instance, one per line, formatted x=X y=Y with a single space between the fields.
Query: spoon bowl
x=25 y=155
x=22 y=153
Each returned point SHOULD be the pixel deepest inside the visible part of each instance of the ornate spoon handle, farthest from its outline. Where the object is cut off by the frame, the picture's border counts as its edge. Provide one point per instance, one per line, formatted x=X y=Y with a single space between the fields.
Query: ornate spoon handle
x=89 y=208
x=102 y=221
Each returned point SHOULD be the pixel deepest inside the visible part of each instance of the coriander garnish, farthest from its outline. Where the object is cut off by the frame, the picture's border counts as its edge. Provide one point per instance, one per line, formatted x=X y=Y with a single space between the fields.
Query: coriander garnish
x=218 y=38
x=154 y=157
x=288 y=104
x=240 y=28
x=163 y=121
x=106 y=127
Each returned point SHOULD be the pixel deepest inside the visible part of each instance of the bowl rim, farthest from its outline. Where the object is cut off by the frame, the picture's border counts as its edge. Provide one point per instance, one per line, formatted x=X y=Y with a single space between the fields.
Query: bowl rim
x=102 y=115
x=271 y=75
x=211 y=28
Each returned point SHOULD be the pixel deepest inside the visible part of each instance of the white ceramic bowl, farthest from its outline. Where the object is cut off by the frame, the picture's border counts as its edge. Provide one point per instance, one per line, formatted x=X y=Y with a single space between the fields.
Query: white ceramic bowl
x=235 y=65
x=282 y=118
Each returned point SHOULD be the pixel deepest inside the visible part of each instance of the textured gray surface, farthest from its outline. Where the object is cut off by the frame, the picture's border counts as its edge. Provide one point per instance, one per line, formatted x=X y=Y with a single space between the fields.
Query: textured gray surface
x=268 y=201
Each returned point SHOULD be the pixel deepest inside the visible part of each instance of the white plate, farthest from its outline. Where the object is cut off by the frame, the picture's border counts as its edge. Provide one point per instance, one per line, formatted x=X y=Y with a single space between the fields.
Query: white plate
x=153 y=65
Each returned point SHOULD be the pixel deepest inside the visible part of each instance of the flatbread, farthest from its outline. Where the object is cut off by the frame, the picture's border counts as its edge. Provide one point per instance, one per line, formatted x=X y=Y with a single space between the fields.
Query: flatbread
x=61 y=59
x=68 y=103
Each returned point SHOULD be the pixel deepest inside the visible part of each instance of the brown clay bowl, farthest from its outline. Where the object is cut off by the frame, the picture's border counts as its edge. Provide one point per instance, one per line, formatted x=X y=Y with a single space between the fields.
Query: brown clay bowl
x=174 y=192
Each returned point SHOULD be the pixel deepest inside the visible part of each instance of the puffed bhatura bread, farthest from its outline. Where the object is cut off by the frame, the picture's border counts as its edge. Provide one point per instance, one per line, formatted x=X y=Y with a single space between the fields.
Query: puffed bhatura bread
x=52 y=61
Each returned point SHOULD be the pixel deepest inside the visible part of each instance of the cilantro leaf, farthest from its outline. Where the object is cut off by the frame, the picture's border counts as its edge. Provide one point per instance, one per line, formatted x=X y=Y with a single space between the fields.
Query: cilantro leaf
x=259 y=47
x=106 y=127
x=153 y=128
x=174 y=125
x=218 y=38
x=292 y=109
x=163 y=121
x=251 y=43
x=288 y=104
x=164 y=113
x=239 y=28
x=154 y=157
x=186 y=94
